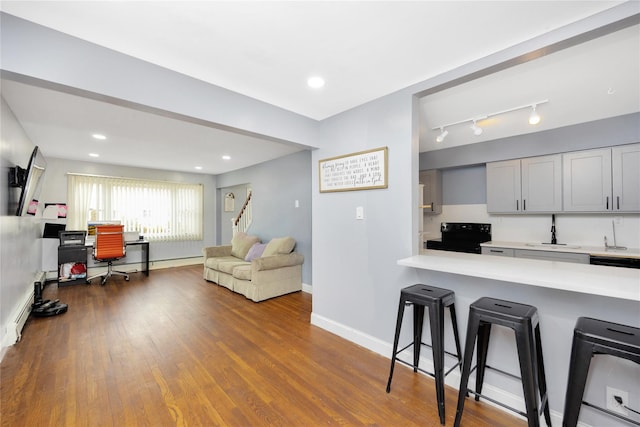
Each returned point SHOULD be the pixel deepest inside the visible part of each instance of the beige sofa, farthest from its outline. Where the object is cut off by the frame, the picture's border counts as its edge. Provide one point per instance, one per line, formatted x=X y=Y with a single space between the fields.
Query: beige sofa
x=276 y=270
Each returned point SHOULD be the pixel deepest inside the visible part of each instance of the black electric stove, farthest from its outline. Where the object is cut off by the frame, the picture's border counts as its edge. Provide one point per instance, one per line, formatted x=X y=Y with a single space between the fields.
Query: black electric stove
x=461 y=237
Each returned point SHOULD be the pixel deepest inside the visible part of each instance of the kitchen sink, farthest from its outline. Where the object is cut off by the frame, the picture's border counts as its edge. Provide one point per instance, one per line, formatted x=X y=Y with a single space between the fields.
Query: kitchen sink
x=551 y=246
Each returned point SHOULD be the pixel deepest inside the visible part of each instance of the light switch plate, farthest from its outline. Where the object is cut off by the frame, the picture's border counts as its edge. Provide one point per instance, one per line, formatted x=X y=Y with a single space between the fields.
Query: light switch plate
x=359 y=212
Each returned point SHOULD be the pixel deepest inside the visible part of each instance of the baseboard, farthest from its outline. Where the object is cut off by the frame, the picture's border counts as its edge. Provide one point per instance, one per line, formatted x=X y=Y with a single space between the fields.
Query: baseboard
x=13 y=330
x=135 y=267
x=307 y=288
x=384 y=348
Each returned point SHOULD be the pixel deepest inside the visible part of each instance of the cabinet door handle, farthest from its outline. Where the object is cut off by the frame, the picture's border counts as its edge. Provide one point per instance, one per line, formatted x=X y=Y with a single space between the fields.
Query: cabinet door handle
x=607 y=202
x=432 y=206
x=524 y=205
x=618 y=201
x=517 y=205
x=496 y=251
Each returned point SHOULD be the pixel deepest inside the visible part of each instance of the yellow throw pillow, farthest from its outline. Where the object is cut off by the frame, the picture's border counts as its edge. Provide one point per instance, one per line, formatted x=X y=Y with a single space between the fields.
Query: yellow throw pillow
x=279 y=246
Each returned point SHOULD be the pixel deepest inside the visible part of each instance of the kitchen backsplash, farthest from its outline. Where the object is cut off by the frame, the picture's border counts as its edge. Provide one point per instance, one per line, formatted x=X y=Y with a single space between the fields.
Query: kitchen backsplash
x=577 y=229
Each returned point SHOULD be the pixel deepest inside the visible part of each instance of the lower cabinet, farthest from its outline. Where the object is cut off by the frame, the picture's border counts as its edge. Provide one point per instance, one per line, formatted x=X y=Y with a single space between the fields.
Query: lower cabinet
x=576 y=258
x=552 y=256
x=497 y=251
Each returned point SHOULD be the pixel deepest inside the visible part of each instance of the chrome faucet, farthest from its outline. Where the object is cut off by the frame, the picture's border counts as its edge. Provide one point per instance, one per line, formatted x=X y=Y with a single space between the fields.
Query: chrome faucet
x=615 y=244
x=554 y=241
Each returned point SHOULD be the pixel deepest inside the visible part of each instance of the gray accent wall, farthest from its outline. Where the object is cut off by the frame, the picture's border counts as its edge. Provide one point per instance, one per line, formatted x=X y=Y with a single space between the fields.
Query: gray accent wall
x=464 y=185
x=584 y=136
x=276 y=185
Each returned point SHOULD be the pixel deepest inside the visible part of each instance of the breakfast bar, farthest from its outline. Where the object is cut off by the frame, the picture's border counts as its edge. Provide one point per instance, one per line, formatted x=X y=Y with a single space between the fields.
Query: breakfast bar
x=562 y=292
x=605 y=281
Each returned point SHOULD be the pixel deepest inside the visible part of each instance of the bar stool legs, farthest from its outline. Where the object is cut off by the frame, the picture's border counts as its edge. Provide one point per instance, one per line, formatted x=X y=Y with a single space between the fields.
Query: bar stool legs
x=523 y=319
x=593 y=336
x=436 y=300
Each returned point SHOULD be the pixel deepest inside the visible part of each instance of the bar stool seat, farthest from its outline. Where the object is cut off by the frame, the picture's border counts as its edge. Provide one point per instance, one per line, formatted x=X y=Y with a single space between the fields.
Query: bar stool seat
x=523 y=319
x=591 y=337
x=436 y=300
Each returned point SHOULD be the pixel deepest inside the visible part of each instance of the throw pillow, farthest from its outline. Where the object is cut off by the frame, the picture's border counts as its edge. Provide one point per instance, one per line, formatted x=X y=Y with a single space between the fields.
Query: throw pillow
x=255 y=252
x=241 y=243
x=279 y=246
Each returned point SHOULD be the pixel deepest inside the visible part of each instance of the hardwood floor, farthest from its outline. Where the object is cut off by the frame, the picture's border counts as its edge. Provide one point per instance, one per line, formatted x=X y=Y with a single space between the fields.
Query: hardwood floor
x=174 y=350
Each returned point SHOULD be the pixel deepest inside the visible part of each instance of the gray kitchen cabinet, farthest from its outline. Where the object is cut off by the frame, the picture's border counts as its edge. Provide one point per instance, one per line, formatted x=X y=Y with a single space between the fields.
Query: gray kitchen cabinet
x=577 y=258
x=602 y=180
x=527 y=185
x=432 y=191
x=508 y=252
x=625 y=162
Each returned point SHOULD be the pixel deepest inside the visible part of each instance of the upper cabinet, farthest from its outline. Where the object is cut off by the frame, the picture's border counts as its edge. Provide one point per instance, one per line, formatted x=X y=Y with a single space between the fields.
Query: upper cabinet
x=602 y=180
x=625 y=162
x=432 y=191
x=525 y=185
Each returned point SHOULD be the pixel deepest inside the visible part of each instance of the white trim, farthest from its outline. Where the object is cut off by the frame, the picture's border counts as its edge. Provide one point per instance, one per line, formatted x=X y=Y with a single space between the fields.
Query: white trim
x=307 y=288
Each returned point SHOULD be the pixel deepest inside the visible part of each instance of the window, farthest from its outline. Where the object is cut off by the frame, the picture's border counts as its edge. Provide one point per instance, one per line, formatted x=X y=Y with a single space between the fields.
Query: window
x=160 y=211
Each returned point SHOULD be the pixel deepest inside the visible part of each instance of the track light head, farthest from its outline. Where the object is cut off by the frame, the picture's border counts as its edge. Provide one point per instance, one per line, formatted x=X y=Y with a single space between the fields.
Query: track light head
x=443 y=135
x=534 y=118
x=477 y=130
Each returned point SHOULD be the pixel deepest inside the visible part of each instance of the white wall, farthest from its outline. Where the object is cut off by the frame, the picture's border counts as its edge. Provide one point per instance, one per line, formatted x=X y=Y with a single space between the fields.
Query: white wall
x=575 y=229
x=20 y=251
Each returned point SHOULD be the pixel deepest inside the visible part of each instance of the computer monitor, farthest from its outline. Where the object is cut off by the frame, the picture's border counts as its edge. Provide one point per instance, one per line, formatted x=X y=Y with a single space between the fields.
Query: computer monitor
x=91 y=225
x=52 y=230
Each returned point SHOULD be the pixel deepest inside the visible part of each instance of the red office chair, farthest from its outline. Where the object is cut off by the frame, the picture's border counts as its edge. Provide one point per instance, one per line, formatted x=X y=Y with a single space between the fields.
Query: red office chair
x=109 y=246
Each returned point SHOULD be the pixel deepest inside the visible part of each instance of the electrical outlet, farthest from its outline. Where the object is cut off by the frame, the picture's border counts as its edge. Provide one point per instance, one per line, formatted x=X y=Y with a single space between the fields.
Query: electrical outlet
x=613 y=405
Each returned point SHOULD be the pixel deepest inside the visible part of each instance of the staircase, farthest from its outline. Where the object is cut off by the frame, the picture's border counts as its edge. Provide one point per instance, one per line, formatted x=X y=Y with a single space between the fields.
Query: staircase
x=242 y=222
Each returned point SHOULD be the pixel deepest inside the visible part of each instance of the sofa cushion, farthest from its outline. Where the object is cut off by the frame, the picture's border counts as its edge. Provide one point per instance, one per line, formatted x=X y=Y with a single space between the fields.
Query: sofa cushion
x=255 y=252
x=279 y=246
x=242 y=272
x=228 y=266
x=214 y=262
x=241 y=243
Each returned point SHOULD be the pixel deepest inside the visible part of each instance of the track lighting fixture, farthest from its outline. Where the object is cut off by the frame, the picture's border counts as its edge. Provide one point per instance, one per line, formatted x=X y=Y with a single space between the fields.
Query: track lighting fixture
x=534 y=118
x=443 y=135
x=477 y=130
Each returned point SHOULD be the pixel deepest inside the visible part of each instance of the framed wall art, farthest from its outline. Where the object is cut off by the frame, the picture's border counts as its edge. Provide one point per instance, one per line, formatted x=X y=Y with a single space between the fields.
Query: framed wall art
x=364 y=170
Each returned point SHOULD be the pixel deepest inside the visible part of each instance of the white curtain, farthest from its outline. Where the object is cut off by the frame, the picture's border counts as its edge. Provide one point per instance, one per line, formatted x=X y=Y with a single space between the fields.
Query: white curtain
x=160 y=211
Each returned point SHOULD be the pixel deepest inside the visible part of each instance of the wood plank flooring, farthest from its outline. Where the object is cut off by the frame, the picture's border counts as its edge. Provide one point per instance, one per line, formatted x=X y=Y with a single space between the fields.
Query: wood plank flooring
x=174 y=350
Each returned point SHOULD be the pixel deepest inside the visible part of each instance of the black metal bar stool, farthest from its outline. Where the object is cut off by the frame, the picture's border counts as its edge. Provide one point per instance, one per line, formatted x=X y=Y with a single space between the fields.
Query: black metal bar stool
x=591 y=337
x=523 y=319
x=436 y=300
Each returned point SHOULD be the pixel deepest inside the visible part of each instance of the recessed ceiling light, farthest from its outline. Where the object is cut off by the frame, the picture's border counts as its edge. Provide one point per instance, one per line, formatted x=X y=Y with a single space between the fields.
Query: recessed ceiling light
x=198 y=168
x=315 y=82
x=94 y=155
x=225 y=157
x=99 y=136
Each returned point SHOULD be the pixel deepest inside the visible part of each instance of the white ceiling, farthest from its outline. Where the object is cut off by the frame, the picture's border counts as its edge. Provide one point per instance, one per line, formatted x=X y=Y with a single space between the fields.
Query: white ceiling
x=267 y=50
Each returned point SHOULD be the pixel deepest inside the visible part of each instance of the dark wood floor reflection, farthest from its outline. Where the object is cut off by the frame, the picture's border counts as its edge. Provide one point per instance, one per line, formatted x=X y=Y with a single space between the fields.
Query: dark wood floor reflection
x=173 y=350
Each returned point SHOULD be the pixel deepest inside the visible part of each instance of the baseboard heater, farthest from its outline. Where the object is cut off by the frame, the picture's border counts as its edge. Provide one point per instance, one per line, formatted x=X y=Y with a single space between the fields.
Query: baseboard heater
x=24 y=310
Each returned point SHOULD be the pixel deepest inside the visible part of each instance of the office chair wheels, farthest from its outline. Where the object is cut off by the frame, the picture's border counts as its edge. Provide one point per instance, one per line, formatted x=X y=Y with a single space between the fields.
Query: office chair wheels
x=126 y=279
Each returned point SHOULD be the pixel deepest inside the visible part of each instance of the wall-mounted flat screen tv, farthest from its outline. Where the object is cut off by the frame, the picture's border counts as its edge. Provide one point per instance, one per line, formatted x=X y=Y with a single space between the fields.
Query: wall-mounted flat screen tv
x=30 y=180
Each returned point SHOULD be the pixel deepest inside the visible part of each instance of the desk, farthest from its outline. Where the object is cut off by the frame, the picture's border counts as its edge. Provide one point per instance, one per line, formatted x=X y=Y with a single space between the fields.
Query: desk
x=144 y=244
x=145 y=253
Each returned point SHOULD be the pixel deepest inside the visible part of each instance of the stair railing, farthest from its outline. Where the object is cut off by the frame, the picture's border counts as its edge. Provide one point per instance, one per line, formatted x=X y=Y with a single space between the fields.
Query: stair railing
x=242 y=222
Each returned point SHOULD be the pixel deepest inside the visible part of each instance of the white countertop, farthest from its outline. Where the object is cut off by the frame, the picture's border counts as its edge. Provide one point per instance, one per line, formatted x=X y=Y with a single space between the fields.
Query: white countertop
x=615 y=282
x=576 y=249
